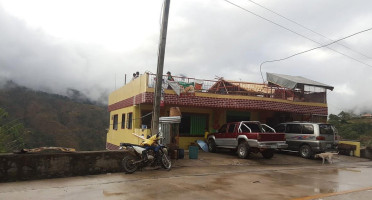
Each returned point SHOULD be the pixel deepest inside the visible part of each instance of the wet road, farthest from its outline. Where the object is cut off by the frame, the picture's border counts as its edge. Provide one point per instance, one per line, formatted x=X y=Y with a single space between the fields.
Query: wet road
x=213 y=176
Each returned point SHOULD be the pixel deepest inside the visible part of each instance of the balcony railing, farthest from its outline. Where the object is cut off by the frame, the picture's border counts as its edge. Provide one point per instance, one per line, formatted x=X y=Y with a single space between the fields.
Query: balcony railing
x=226 y=87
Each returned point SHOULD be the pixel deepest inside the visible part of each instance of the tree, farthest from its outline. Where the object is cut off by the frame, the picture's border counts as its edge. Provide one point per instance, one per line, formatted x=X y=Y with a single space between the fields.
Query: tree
x=11 y=133
x=334 y=119
x=344 y=116
x=351 y=127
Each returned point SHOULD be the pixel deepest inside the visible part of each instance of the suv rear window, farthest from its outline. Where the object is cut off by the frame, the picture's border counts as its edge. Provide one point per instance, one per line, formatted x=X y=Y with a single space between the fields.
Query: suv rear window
x=280 y=128
x=307 y=129
x=325 y=129
x=293 y=128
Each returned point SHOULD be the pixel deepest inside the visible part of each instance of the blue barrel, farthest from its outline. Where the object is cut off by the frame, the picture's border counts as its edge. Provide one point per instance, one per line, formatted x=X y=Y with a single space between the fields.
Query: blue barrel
x=193 y=152
x=181 y=153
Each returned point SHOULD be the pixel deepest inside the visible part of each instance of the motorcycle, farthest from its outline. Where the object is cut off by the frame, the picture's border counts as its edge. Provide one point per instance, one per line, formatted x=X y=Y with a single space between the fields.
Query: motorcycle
x=148 y=153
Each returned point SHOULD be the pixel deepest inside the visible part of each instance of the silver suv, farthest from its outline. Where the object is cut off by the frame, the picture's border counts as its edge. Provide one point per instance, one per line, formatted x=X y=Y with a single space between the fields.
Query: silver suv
x=309 y=138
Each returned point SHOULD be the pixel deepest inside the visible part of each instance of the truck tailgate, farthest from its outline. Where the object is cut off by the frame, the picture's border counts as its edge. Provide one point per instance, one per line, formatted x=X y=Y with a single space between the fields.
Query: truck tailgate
x=271 y=137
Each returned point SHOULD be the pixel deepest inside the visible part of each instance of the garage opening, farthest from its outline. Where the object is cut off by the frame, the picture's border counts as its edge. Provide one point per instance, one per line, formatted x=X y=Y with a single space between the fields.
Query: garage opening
x=236 y=116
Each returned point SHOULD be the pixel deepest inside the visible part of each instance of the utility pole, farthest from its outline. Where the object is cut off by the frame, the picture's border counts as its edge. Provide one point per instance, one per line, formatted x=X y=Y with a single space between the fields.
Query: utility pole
x=159 y=73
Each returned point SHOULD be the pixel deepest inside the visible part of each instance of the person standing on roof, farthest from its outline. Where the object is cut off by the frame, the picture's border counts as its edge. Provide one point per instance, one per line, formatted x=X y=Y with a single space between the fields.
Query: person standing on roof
x=170 y=78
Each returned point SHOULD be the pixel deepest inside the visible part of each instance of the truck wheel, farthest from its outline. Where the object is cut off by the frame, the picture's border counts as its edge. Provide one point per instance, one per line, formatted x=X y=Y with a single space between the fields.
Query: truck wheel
x=268 y=153
x=212 y=146
x=243 y=150
x=305 y=151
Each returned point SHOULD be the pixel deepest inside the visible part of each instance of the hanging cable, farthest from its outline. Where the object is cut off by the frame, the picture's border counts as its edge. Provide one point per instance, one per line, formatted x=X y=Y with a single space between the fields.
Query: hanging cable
x=280 y=15
x=246 y=10
x=269 y=61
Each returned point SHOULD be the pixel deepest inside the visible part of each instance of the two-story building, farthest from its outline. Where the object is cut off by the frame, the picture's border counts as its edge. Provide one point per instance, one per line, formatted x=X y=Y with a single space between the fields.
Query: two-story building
x=207 y=104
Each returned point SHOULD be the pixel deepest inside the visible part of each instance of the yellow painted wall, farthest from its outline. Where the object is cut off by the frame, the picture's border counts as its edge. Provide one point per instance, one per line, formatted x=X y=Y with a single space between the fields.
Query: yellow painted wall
x=134 y=87
x=125 y=135
x=357 y=144
x=218 y=119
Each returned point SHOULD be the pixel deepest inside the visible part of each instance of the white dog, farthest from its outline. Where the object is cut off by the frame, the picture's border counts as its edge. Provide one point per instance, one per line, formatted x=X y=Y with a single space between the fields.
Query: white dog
x=326 y=156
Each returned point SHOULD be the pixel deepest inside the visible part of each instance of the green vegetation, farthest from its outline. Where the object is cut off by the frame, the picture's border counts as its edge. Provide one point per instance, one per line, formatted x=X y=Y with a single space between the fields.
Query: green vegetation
x=11 y=133
x=353 y=127
x=51 y=120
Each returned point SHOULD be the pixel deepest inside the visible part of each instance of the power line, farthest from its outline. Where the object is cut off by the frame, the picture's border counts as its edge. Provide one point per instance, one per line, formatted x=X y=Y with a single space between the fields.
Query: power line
x=307 y=28
x=295 y=32
x=311 y=50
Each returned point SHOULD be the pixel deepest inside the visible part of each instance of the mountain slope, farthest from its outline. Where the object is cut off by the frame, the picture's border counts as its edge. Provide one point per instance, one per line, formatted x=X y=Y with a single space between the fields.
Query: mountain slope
x=55 y=120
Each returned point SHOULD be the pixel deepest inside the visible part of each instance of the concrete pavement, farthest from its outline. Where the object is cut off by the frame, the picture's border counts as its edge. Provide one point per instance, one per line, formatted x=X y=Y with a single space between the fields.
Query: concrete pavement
x=212 y=176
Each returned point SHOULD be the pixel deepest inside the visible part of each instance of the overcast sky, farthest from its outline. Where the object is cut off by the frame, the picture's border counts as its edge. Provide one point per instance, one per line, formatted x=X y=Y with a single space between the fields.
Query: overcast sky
x=84 y=44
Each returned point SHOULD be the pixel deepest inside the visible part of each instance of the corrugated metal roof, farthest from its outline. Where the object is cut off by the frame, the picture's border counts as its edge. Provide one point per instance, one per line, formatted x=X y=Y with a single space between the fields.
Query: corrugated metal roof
x=293 y=81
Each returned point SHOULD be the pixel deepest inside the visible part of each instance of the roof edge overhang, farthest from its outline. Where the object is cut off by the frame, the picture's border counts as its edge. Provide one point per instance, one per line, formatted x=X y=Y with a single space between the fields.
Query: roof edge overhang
x=293 y=82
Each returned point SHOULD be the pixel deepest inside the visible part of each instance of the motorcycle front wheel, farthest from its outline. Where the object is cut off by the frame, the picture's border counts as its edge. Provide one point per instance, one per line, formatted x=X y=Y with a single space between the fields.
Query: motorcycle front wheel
x=166 y=162
x=128 y=164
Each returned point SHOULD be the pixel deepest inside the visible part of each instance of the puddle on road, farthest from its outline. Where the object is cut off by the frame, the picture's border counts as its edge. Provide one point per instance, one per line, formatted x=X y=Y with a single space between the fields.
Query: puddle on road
x=327 y=180
x=107 y=194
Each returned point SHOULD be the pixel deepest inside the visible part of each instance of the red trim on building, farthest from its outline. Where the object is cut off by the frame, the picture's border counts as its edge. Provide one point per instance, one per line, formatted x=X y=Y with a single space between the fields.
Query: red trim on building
x=210 y=102
x=140 y=98
x=110 y=146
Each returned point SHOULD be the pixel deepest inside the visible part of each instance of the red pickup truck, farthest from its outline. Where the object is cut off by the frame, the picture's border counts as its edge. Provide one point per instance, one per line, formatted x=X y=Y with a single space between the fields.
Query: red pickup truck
x=247 y=137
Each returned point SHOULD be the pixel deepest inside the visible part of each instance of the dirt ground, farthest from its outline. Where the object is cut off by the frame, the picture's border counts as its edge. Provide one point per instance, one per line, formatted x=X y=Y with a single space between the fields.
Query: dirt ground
x=212 y=176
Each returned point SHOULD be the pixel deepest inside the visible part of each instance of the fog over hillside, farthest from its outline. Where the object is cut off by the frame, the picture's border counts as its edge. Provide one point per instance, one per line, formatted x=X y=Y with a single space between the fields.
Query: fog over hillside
x=54 y=46
x=55 y=120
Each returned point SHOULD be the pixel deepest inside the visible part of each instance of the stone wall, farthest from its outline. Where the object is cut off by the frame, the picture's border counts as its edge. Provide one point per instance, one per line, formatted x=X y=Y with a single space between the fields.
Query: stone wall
x=366 y=153
x=28 y=166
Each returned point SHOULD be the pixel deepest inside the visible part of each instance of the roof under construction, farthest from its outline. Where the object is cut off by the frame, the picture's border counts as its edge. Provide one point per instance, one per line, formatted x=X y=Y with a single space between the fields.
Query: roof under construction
x=293 y=82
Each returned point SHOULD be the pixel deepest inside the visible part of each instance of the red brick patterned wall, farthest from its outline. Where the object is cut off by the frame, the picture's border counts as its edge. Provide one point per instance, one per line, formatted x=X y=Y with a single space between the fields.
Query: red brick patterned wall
x=140 y=98
x=110 y=146
x=209 y=102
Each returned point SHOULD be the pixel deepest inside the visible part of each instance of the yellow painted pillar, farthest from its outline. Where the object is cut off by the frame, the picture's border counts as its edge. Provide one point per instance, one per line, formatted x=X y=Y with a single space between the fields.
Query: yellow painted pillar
x=357 y=144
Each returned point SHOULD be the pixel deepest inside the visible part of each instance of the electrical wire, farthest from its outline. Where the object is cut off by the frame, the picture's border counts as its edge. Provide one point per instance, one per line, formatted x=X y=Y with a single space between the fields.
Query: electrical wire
x=307 y=28
x=294 y=32
x=269 y=61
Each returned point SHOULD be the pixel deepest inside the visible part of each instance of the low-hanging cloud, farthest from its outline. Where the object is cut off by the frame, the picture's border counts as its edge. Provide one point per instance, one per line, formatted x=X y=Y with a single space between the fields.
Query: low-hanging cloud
x=205 y=39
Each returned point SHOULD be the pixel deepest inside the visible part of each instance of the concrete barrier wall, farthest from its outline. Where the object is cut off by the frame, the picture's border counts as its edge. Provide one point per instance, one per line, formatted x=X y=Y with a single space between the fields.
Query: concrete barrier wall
x=28 y=166
x=356 y=144
x=367 y=153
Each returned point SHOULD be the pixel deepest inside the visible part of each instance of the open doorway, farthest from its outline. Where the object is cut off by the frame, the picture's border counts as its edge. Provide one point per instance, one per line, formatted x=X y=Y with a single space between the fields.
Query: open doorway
x=236 y=116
